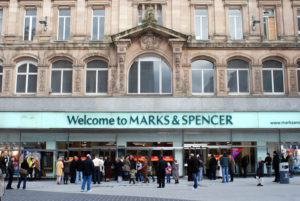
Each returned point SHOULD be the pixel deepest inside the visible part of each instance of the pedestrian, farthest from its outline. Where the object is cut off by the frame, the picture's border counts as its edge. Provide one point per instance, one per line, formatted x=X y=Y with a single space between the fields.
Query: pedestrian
x=231 y=167
x=213 y=167
x=67 y=165
x=36 y=168
x=101 y=168
x=97 y=162
x=268 y=162
x=79 y=175
x=150 y=173
x=201 y=165
x=260 y=172
x=138 y=169
x=189 y=169
x=119 y=171
x=175 y=171
x=275 y=165
x=30 y=161
x=126 y=168
x=144 y=170
x=59 y=170
x=245 y=162
x=3 y=163
x=23 y=173
x=224 y=161
x=161 y=172
x=195 y=169
x=1 y=181
x=168 y=172
x=87 y=170
x=73 y=170
x=132 y=176
x=10 y=171
x=107 y=169
x=290 y=160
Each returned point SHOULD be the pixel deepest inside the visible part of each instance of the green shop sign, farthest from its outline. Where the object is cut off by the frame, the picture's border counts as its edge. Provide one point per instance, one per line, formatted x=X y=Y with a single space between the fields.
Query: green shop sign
x=121 y=120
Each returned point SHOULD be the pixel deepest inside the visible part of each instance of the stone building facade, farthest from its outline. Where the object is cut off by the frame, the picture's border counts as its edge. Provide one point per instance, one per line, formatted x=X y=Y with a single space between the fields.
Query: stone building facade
x=249 y=50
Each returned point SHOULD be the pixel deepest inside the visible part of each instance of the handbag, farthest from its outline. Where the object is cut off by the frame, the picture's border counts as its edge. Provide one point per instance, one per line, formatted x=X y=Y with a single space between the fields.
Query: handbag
x=23 y=171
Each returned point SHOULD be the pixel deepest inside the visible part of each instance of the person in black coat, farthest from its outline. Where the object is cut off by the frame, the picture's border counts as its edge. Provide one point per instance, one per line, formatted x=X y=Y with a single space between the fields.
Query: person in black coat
x=161 y=172
x=195 y=164
x=87 y=169
x=275 y=165
x=268 y=162
x=23 y=173
x=73 y=170
x=119 y=170
x=213 y=167
x=10 y=170
x=189 y=169
x=245 y=163
x=260 y=172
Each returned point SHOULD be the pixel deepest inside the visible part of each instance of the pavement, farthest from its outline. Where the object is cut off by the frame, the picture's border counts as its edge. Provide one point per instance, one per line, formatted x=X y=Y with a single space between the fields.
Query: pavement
x=242 y=189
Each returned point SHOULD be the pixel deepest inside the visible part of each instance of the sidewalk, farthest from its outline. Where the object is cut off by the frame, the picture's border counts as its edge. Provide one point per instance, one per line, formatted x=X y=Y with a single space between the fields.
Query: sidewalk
x=242 y=189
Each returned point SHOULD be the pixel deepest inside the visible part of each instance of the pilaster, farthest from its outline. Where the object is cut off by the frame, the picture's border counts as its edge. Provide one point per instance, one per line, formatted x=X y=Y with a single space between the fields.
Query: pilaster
x=292 y=80
x=7 y=80
x=221 y=80
x=257 y=79
x=77 y=75
x=42 y=88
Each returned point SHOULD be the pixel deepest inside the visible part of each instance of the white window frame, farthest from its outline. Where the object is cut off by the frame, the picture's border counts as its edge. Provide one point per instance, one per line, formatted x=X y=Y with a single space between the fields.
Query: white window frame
x=1 y=75
x=149 y=58
x=62 y=70
x=64 y=27
x=238 y=82
x=201 y=17
x=298 y=19
x=27 y=73
x=272 y=78
x=236 y=28
x=97 y=70
x=202 y=79
x=1 y=20
x=275 y=22
x=98 y=30
x=140 y=16
x=30 y=24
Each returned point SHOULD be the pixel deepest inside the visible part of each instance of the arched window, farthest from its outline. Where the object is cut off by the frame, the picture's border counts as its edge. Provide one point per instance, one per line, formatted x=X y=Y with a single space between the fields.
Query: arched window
x=202 y=76
x=273 y=77
x=238 y=76
x=150 y=75
x=298 y=73
x=26 y=77
x=61 y=77
x=96 y=77
x=1 y=74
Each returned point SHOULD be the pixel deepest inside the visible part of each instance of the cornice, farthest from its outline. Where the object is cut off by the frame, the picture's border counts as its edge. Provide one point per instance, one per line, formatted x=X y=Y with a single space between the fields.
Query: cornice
x=201 y=2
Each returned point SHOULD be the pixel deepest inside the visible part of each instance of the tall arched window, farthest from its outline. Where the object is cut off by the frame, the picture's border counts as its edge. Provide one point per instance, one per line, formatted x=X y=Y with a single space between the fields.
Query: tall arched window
x=298 y=73
x=1 y=74
x=273 y=76
x=202 y=77
x=61 y=77
x=150 y=74
x=96 y=76
x=26 y=77
x=238 y=76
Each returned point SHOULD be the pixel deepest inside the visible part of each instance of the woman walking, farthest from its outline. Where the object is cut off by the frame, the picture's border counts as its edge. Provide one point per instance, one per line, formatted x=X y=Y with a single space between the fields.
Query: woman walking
x=144 y=170
x=59 y=170
x=260 y=172
x=23 y=173
x=175 y=171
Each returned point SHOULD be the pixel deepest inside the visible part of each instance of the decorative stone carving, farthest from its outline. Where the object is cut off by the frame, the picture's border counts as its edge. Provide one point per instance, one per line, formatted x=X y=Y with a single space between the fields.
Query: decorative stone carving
x=149 y=41
x=293 y=81
x=77 y=87
x=113 y=80
x=42 y=81
x=222 y=81
x=257 y=78
x=149 y=16
x=7 y=74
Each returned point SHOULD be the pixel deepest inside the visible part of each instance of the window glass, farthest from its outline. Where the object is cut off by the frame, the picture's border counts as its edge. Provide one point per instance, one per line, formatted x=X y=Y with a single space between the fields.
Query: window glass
x=98 y=24
x=96 y=77
x=140 y=16
x=298 y=18
x=26 y=78
x=61 y=77
x=201 y=24
x=29 y=24
x=273 y=77
x=150 y=74
x=56 y=81
x=269 y=24
x=67 y=82
x=1 y=15
x=235 y=23
x=238 y=76
x=159 y=20
x=64 y=24
x=1 y=74
x=202 y=76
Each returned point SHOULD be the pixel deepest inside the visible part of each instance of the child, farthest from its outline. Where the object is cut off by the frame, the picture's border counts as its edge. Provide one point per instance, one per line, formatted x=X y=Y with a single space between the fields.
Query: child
x=132 y=176
x=168 y=172
x=138 y=174
x=260 y=172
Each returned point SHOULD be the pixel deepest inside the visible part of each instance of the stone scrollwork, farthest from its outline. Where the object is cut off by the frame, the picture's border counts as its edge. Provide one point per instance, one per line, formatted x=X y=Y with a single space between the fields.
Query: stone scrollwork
x=149 y=41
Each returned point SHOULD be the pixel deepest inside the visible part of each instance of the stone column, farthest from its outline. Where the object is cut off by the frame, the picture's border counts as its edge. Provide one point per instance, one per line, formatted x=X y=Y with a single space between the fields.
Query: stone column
x=186 y=88
x=292 y=86
x=113 y=79
x=42 y=87
x=177 y=66
x=122 y=46
x=221 y=80
x=257 y=79
x=77 y=80
x=7 y=76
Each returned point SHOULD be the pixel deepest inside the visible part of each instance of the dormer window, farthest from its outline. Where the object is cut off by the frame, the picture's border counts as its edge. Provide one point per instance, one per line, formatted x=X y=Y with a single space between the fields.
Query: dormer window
x=157 y=10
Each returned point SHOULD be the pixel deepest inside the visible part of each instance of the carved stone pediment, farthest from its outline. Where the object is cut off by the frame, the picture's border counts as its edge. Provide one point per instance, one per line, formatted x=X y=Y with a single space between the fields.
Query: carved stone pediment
x=149 y=41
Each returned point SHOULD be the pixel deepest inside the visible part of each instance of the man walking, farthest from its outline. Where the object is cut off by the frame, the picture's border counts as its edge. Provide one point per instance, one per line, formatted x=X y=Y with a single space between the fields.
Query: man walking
x=88 y=168
x=97 y=162
x=224 y=161
x=195 y=169
x=161 y=173
x=275 y=164
x=290 y=160
x=268 y=162
x=10 y=170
